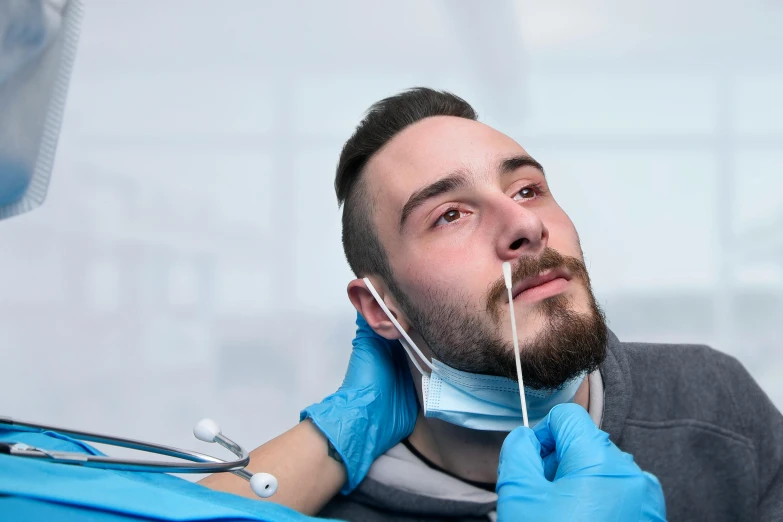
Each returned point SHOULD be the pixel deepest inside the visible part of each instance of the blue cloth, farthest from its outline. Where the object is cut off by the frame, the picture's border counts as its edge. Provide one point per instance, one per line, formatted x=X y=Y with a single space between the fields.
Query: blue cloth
x=33 y=489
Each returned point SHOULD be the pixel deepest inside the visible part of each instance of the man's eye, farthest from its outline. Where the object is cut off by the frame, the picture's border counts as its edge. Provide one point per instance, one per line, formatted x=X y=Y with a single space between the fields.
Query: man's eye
x=525 y=193
x=449 y=217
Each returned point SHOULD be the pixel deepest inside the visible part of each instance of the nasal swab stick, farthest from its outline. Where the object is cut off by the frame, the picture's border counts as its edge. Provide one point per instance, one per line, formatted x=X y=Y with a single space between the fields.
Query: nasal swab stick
x=507 y=277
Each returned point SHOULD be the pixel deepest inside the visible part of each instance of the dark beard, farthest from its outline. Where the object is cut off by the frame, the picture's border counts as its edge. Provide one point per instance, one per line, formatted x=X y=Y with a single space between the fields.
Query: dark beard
x=569 y=344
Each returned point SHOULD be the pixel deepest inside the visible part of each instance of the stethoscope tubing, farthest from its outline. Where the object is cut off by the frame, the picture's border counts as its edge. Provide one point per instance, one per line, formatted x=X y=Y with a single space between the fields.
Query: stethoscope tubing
x=202 y=463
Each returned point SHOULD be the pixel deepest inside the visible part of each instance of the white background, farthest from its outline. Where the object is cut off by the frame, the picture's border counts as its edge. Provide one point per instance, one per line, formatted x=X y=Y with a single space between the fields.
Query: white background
x=187 y=262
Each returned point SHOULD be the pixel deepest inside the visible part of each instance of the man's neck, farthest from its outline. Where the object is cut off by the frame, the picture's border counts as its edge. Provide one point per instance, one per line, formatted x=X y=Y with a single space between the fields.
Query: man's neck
x=470 y=454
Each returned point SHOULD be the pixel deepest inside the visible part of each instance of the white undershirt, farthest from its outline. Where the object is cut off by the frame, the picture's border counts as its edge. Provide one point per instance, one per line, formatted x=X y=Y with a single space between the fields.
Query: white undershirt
x=595 y=404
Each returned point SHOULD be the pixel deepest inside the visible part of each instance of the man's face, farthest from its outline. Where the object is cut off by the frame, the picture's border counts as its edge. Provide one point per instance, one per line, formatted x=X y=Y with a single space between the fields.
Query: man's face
x=453 y=200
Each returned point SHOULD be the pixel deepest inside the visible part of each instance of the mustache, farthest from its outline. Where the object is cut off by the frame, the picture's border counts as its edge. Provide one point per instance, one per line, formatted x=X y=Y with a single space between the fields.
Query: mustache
x=528 y=266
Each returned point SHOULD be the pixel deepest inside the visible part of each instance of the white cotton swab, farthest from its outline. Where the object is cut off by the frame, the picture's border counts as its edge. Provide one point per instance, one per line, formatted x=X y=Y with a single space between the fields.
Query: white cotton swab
x=507 y=277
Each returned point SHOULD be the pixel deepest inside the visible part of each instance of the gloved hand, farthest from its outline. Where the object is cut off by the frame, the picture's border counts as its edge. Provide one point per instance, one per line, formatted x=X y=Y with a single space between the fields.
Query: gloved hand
x=593 y=479
x=374 y=409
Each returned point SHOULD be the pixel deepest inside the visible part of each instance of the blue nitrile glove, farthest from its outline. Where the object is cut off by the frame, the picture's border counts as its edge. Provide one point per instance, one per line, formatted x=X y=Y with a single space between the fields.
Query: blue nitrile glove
x=374 y=409
x=593 y=480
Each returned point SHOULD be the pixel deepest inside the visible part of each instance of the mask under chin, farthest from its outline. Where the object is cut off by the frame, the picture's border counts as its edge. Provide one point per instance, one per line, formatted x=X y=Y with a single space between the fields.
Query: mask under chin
x=487 y=402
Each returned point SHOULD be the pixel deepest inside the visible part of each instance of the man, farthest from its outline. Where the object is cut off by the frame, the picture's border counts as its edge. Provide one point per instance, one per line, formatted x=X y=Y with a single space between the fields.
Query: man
x=34 y=74
x=434 y=203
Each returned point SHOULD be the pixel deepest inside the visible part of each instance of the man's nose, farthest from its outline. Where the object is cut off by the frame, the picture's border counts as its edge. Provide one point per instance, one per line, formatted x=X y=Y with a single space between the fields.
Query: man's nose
x=522 y=232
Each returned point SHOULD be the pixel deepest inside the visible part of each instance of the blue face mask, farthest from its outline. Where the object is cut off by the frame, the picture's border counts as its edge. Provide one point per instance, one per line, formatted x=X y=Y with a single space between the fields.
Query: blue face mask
x=487 y=402
x=478 y=402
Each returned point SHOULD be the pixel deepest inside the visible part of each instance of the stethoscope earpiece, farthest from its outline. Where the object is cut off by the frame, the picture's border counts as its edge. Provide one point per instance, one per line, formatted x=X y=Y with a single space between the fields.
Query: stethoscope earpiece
x=263 y=484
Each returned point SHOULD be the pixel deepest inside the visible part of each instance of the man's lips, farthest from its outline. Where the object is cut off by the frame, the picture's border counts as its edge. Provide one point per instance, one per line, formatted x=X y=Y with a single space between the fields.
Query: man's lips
x=537 y=280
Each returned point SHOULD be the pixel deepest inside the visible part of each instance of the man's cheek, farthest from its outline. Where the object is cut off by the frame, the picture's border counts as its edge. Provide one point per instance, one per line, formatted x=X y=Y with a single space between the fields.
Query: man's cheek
x=566 y=242
x=561 y=228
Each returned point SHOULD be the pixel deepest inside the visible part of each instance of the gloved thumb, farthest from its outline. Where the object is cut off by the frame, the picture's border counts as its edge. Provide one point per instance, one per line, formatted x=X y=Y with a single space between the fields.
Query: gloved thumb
x=578 y=443
x=654 y=507
x=520 y=464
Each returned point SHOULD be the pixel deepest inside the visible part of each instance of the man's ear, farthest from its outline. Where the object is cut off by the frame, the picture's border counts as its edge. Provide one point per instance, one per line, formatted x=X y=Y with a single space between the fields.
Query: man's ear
x=365 y=304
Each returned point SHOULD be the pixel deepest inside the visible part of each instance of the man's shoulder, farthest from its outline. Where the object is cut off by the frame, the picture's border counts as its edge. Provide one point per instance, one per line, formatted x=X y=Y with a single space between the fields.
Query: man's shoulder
x=678 y=359
x=696 y=418
x=693 y=382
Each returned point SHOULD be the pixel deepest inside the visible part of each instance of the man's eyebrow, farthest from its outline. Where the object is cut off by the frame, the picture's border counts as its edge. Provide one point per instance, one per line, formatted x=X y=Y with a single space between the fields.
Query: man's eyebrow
x=451 y=182
x=513 y=163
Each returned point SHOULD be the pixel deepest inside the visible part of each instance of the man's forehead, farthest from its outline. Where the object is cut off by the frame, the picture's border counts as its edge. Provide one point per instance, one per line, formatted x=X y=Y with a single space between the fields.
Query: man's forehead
x=430 y=149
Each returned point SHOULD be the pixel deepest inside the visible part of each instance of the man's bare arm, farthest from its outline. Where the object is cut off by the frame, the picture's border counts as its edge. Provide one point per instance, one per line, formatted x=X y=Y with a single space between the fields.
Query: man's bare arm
x=333 y=448
x=308 y=477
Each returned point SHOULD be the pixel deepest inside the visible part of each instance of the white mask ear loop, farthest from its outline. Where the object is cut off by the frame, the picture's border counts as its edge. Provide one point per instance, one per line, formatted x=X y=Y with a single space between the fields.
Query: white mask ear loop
x=407 y=347
x=507 y=277
x=407 y=342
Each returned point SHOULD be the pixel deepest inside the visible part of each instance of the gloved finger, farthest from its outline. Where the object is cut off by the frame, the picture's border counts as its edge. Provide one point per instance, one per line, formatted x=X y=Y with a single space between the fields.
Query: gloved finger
x=389 y=346
x=562 y=423
x=654 y=508
x=550 y=466
x=365 y=365
x=371 y=362
x=406 y=400
x=579 y=445
x=379 y=366
x=372 y=358
x=401 y=368
x=520 y=461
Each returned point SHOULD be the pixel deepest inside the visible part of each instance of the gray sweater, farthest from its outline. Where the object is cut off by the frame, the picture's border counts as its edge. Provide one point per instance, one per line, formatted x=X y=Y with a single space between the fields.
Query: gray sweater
x=690 y=415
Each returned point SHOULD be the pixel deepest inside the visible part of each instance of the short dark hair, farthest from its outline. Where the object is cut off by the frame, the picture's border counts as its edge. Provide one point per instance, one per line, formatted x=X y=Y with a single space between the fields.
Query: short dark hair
x=384 y=120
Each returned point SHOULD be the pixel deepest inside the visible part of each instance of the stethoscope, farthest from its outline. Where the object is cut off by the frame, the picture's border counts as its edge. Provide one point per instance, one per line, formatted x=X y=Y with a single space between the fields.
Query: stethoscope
x=263 y=484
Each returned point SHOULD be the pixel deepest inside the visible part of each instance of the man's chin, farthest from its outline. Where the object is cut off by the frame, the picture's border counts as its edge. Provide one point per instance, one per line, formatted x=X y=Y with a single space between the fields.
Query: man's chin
x=560 y=336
